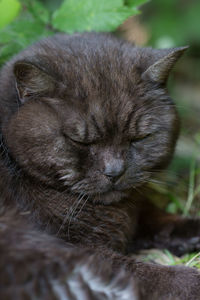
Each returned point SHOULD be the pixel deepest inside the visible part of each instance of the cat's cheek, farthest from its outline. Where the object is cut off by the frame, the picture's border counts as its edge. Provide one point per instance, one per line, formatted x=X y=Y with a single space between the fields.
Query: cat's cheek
x=47 y=163
x=152 y=153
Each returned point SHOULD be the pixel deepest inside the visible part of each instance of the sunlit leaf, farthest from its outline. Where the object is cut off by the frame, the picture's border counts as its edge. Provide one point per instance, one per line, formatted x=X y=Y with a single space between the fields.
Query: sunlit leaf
x=9 y=9
x=91 y=15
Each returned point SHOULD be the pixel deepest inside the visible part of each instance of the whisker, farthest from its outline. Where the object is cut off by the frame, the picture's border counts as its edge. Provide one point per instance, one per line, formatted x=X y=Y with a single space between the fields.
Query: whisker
x=72 y=215
x=70 y=211
x=78 y=213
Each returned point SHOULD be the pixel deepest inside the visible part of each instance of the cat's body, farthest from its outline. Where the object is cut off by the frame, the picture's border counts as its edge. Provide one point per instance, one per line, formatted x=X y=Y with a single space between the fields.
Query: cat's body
x=85 y=121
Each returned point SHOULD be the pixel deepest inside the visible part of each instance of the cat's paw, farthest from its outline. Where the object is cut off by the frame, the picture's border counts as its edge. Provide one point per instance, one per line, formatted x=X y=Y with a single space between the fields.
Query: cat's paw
x=180 y=237
x=185 y=237
x=182 y=246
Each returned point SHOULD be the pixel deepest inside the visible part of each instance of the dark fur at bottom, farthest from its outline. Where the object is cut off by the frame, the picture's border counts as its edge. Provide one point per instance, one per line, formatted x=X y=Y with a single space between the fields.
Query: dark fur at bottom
x=35 y=264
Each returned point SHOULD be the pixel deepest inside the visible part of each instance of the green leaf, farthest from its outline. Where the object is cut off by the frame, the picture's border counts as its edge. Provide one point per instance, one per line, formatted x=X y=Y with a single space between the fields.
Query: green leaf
x=19 y=35
x=197 y=138
x=37 y=9
x=52 y=5
x=172 y=208
x=170 y=256
x=91 y=15
x=40 y=11
x=175 y=204
x=135 y=3
x=9 y=9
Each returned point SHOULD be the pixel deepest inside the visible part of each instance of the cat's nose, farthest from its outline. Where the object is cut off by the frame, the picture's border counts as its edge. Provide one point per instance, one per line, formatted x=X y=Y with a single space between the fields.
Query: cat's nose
x=114 y=169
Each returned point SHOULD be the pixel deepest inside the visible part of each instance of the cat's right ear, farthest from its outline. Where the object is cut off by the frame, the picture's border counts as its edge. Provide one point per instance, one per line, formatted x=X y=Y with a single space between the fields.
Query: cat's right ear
x=31 y=81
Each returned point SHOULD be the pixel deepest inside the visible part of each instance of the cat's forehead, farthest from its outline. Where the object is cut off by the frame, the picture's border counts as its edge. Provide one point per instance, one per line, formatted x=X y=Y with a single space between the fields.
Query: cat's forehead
x=111 y=110
x=109 y=91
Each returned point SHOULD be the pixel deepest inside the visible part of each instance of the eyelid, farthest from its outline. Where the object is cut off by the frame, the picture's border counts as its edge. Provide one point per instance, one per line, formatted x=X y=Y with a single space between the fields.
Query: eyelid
x=141 y=138
x=75 y=141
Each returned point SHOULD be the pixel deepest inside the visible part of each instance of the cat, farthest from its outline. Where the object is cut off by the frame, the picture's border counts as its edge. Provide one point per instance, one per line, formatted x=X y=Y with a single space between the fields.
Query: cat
x=85 y=121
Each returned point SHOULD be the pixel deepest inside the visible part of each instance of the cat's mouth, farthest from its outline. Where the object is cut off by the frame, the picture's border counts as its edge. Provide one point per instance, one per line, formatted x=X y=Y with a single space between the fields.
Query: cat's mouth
x=104 y=192
x=109 y=197
x=101 y=193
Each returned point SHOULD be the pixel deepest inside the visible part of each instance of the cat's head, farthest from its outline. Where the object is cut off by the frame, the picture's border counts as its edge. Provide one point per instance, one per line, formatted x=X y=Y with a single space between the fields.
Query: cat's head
x=96 y=120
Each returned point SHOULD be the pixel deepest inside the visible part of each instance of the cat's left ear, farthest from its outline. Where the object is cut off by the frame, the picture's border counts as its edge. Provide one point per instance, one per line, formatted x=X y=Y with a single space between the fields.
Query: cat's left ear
x=160 y=70
x=31 y=81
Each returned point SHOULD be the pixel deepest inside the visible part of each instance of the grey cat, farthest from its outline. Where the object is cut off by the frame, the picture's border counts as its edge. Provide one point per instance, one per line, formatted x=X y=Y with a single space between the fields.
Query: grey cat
x=85 y=121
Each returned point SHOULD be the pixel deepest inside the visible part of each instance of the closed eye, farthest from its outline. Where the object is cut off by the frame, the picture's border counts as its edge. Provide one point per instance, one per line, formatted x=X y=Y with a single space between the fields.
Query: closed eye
x=80 y=143
x=141 y=137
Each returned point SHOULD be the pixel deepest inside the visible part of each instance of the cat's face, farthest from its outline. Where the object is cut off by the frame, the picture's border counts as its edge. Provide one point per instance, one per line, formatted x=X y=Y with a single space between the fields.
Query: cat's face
x=101 y=148
x=101 y=145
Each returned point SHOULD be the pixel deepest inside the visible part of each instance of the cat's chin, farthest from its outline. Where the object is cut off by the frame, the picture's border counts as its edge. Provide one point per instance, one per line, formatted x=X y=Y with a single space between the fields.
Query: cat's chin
x=109 y=197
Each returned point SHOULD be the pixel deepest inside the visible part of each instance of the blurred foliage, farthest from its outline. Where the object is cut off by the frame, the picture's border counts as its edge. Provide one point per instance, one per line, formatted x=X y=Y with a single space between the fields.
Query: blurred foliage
x=37 y=19
x=166 y=258
x=173 y=22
